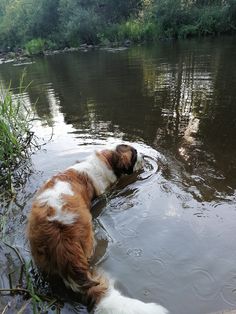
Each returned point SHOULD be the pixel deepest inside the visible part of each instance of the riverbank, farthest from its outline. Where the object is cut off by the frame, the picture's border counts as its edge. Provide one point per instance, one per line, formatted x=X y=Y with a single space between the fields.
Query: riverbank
x=65 y=23
x=21 y=56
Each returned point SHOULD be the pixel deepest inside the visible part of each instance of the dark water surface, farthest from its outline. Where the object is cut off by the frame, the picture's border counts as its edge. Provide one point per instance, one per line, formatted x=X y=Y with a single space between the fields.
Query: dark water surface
x=167 y=234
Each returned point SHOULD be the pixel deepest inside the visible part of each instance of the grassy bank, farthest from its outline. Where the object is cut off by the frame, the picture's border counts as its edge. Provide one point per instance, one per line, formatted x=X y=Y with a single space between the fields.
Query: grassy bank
x=16 y=139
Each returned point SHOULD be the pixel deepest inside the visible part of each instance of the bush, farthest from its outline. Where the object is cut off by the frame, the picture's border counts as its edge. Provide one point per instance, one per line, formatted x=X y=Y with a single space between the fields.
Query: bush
x=182 y=19
x=132 y=30
x=35 y=46
x=71 y=22
x=213 y=20
x=186 y=31
x=232 y=13
x=170 y=15
x=135 y=30
x=50 y=45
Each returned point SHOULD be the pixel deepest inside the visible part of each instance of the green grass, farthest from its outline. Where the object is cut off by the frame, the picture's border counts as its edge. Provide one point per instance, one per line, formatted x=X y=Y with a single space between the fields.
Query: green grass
x=16 y=136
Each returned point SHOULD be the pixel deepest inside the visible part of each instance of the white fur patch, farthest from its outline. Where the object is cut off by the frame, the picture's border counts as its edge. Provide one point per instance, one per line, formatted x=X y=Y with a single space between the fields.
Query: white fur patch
x=97 y=171
x=53 y=197
x=139 y=163
x=115 y=303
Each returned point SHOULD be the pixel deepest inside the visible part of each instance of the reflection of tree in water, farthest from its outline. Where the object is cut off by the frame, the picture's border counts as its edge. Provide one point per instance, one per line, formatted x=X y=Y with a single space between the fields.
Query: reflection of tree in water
x=194 y=109
x=179 y=91
x=175 y=97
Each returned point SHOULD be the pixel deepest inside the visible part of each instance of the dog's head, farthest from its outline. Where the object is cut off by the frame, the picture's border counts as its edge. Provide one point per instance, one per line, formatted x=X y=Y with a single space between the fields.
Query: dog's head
x=124 y=159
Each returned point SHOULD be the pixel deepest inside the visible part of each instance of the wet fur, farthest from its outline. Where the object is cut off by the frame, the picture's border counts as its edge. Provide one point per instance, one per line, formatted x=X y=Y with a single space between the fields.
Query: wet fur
x=65 y=249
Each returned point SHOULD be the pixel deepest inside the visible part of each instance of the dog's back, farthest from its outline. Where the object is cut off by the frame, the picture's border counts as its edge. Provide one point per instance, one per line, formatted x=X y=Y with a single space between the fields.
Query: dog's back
x=60 y=228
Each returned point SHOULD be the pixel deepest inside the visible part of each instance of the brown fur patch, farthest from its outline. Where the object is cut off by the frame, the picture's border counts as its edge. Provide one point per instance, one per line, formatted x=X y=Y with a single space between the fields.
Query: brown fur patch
x=64 y=249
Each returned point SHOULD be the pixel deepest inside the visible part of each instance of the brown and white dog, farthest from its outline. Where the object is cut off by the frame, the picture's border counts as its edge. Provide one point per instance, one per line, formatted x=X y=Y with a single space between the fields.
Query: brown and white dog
x=60 y=228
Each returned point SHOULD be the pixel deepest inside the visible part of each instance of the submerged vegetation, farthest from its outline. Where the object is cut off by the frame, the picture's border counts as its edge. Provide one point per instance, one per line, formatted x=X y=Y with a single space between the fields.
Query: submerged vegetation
x=16 y=138
x=37 y=25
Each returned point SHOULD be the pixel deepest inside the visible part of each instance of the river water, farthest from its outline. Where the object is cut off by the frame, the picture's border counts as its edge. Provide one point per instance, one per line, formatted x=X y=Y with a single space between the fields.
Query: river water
x=166 y=234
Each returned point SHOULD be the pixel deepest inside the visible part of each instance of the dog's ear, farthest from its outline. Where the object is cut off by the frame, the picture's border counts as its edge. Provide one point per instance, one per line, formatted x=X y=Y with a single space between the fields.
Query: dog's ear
x=122 y=148
x=122 y=159
x=127 y=153
x=126 y=149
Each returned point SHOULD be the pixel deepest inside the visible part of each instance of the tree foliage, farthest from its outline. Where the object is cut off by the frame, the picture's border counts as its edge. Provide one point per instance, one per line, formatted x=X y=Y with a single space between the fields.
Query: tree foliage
x=71 y=22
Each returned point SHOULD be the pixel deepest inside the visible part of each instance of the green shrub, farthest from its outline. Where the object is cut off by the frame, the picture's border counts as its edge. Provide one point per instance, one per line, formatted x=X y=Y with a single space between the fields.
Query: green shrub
x=186 y=31
x=231 y=11
x=213 y=20
x=135 y=30
x=50 y=45
x=130 y=30
x=170 y=15
x=71 y=22
x=35 y=46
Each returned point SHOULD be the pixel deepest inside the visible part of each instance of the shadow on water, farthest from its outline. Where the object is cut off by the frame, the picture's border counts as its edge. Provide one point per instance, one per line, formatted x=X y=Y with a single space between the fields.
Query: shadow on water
x=167 y=233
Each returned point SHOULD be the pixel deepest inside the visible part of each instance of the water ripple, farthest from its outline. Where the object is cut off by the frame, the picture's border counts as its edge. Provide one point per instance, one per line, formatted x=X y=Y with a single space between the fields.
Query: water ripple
x=228 y=291
x=135 y=252
x=204 y=284
x=127 y=232
x=156 y=266
x=150 y=167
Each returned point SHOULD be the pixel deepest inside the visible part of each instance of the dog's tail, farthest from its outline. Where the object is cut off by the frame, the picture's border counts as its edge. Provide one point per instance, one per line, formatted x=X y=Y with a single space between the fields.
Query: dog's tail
x=97 y=290
x=73 y=267
x=109 y=300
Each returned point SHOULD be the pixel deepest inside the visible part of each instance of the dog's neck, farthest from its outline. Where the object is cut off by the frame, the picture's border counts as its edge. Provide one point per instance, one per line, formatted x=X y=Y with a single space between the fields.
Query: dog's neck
x=106 y=156
x=99 y=170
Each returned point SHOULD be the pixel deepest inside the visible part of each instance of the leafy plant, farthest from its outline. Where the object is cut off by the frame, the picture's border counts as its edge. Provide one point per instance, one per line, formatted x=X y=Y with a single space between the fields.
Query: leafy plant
x=35 y=46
